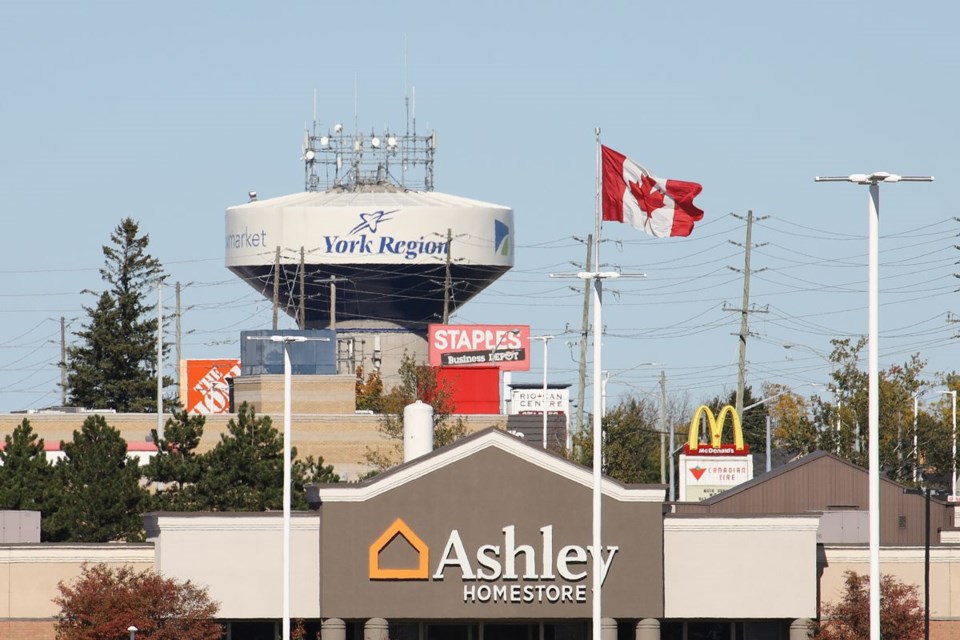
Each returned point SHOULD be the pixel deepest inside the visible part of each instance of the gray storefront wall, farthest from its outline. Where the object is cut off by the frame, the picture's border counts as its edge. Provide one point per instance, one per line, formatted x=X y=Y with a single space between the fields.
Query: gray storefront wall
x=490 y=538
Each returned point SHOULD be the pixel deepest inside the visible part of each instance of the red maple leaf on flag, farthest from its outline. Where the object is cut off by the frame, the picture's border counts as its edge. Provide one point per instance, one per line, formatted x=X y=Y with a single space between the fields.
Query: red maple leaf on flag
x=649 y=198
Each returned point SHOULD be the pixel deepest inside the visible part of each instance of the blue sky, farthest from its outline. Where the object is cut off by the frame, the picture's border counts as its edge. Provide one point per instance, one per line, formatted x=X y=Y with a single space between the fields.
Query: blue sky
x=171 y=112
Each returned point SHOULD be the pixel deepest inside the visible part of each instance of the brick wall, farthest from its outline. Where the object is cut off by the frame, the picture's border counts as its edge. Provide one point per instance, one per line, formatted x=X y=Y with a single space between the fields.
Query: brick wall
x=28 y=629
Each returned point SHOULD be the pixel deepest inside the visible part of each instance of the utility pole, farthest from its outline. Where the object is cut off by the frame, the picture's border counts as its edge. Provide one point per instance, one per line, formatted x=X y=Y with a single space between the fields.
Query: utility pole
x=276 y=288
x=63 y=361
x=584 y=331
x=446 y=280
x=744 y=309
x=302 y=315
x=178 y=337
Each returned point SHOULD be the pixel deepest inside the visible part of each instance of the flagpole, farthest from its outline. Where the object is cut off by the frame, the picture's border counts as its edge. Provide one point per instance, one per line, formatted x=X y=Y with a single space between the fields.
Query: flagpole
x=597 y=277
x=597 y=401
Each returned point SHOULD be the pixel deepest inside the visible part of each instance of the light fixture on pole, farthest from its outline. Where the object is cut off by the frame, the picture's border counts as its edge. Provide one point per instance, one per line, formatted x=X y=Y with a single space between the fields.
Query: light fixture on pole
x=873 y=370
x=287 y=475
x=543 y=406
x=133 y=632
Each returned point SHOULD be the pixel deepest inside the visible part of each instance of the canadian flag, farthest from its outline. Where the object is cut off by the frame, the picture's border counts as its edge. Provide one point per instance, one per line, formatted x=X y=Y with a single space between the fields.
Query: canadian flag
x=631 y=194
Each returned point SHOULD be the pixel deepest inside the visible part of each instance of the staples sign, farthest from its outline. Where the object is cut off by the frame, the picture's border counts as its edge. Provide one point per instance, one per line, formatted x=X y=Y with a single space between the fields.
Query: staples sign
x=506 y=346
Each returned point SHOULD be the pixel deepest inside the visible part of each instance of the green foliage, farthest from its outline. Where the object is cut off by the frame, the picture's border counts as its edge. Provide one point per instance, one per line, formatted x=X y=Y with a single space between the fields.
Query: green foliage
x=25 y=475
x=115 y=364
x=901 y=616
x=753 y=421
x=369 y=391
x=176 y=465
x=631 y=450
x=417 y=382
x=244 y=471
x=102 y=602
x=98 y=496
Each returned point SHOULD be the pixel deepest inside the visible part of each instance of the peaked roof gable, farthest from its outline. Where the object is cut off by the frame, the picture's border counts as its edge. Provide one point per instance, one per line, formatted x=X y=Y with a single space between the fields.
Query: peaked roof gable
x=489 y=438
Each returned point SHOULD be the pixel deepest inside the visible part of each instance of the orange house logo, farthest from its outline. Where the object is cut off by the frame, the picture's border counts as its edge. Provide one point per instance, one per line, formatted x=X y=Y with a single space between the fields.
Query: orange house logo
x=399 y=528
x=716 y=446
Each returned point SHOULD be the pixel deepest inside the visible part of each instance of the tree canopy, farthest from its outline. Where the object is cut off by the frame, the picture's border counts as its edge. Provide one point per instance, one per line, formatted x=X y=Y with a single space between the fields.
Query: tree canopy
x=25 y=474
x=417 y=382
x=103 y=602
x=901 y=616
x=99 y=497
x=114 y=366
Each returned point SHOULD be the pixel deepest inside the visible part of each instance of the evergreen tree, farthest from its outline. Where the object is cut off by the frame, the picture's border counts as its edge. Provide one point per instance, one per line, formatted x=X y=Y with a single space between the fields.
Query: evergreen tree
x=177 y=466
x=24 y=473
x=244 y=472
x=99 y=497
x=115 y=364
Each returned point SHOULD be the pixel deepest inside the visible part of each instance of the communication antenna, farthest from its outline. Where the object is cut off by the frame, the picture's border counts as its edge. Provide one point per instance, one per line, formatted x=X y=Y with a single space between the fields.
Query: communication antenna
x=338 y=159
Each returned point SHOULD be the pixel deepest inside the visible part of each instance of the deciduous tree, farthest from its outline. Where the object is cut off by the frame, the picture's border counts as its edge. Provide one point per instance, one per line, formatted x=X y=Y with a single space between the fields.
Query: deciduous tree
x=631 y=450
x=901 y=616
x=417 y=382
x=103 y=602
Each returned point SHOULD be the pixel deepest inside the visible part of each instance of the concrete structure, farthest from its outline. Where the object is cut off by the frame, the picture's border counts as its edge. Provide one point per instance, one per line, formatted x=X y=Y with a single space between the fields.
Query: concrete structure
x=489 y=538
x=341 y=439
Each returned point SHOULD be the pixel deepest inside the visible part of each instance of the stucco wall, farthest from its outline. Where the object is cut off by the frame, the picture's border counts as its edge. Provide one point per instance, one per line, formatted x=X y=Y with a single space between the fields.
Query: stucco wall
x=905 y=563
x=239 y=556
x=29 y=573
x=746 y=567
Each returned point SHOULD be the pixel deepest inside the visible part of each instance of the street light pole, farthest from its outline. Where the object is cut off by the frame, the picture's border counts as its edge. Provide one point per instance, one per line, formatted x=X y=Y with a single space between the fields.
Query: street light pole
x=953 y=474
x=545 y=340
x=873 y=370
x=287 y=474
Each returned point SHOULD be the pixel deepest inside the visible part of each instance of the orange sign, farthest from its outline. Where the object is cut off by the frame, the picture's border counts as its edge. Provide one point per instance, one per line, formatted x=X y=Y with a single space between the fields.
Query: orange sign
x=399 y=528
x=204 y=383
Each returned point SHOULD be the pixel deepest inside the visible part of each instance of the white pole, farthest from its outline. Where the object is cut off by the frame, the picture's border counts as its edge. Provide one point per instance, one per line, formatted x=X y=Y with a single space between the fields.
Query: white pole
x=545 y=350
x=160 y=362
x=873 y=412
x=873 y=367
x=916 y=408
x=597 y=409
x=603 y=392
x=287 y=401
x=953 y=392
x=546 y=342
x=597 y=448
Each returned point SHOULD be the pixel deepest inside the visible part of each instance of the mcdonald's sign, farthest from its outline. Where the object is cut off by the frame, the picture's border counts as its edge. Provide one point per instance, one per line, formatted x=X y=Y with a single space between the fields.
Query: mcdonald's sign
x=716 y=446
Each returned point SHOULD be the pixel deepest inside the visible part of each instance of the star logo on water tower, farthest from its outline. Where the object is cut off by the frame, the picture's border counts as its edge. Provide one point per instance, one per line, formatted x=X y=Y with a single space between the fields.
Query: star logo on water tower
x=371 y=220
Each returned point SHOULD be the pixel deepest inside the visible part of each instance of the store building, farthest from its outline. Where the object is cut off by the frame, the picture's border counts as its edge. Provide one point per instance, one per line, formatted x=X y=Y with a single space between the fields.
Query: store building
x=490 y=538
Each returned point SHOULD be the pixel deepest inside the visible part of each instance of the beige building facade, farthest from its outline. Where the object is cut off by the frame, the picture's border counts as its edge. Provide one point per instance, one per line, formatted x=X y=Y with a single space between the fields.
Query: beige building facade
x=491 y=538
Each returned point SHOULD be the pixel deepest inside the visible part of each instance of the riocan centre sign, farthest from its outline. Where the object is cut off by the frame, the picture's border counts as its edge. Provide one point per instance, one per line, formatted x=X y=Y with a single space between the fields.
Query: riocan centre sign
x=506 y=346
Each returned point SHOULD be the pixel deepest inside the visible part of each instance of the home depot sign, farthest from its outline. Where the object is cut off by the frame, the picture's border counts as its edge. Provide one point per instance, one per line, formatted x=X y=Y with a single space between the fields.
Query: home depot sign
x=499 y=571
x=707 y=468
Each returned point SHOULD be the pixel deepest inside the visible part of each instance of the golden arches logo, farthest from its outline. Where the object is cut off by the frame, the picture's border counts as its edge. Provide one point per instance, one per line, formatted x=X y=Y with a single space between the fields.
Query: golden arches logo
x=715 y=425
